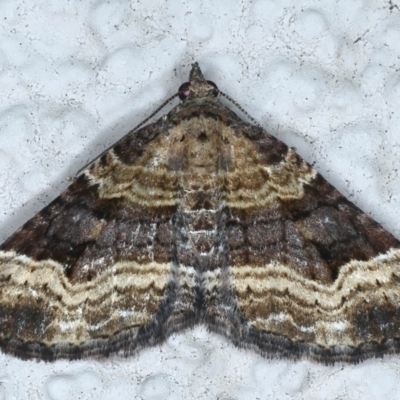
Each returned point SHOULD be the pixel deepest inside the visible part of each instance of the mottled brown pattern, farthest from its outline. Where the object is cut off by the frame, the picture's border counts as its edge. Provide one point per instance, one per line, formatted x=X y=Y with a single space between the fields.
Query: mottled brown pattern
x=200 y=218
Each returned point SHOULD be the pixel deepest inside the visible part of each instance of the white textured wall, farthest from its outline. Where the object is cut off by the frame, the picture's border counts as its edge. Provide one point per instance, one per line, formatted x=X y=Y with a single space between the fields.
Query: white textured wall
x=324 y=76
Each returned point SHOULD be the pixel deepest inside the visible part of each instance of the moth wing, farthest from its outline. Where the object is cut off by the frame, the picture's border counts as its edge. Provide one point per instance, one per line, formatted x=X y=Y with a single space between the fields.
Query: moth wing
x=93 y=271
x=310 y=272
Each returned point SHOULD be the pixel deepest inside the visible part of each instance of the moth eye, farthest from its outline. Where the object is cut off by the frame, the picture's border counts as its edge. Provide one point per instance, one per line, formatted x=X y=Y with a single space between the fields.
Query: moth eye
x=184 y=91
x=215 y=91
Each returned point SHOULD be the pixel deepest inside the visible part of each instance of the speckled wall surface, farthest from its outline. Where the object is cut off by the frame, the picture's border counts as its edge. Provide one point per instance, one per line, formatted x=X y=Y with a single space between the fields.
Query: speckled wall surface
x=322 y=76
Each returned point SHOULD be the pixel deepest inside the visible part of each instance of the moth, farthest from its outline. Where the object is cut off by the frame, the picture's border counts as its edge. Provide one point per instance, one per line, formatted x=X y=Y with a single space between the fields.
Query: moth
x=200 y=218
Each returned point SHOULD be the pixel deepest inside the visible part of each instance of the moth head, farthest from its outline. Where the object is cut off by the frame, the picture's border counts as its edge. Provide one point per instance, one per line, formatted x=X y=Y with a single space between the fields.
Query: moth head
x=197 y=86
